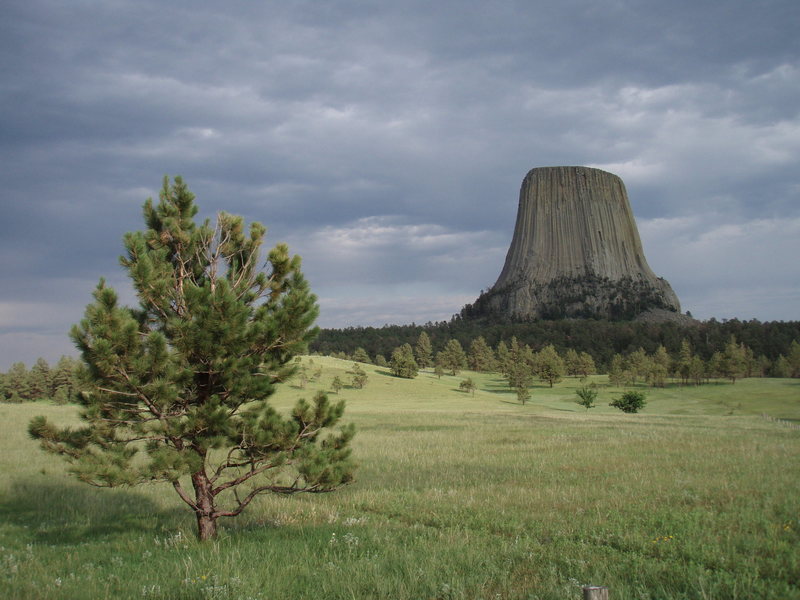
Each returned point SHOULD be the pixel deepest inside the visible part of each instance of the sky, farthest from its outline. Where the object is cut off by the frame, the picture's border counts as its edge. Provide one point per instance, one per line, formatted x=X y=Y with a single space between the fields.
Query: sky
x=386 y=142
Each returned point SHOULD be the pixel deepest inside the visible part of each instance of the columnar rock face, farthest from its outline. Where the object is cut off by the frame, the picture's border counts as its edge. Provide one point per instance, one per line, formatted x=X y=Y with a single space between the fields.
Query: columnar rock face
x=576 y=252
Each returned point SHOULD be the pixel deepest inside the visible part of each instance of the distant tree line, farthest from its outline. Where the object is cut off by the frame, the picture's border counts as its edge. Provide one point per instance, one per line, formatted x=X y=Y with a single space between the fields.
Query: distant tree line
x=40 y=382
x=520 y=364
x=600 y=339
x=629 y=353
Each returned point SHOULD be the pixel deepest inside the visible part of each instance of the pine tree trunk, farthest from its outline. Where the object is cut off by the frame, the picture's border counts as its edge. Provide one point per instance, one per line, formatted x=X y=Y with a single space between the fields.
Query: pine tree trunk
x=206 y=527
x=206 y=523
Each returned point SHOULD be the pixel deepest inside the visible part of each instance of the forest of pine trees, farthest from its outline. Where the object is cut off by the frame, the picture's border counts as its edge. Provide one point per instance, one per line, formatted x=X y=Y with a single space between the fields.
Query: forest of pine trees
x=40 y=382
x=702 y=355
x=519 y=362
x=770 y=346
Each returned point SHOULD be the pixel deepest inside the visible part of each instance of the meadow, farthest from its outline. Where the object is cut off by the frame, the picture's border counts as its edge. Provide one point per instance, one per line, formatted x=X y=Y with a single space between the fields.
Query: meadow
x=457 y=496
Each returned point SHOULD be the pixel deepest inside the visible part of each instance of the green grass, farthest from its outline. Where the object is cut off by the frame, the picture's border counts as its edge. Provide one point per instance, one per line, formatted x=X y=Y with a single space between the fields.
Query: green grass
x=457 y=496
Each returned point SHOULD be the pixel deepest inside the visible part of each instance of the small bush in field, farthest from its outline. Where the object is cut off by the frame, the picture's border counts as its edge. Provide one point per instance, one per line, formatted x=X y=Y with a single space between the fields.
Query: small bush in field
x=586 y=396
x=467 y=385
x=630 y=402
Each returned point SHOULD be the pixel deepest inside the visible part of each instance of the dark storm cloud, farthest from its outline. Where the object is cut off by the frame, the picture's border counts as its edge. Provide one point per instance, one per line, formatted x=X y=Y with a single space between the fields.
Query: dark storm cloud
x=387 y=141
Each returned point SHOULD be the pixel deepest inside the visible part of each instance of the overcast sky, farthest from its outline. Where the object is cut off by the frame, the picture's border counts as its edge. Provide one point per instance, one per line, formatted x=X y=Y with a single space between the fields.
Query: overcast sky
x=386 y=142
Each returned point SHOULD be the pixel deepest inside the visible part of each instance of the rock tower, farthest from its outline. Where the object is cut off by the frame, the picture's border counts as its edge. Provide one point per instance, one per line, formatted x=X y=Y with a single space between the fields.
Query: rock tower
x=576 y=252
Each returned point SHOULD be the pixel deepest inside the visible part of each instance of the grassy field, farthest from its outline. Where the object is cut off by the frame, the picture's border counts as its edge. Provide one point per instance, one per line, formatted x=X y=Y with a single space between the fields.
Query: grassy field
x=457 y=496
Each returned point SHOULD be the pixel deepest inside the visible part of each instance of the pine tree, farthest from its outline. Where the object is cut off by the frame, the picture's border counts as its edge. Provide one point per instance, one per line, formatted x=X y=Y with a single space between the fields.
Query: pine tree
x=502 y=356
x=519 y=369
x=780 y=367
x=360 y=376
x=697 y=370
x=586 y=365
x=64 y=378
x=734 y=360
x=481 y=356
x=403 y=363
x=512 y=358
x=684 y=364
x=716 y=365
x=177 y=389
x=549 y=365
x=586 y=396
x=40 y=379
x=18 y=386
x=423 y=351
x=360 y=355
x=438 y=370
x=658 y=367
x=452 y=358
x=793 y=359
x=637 y=364
x=616 y=372
x=572 y=362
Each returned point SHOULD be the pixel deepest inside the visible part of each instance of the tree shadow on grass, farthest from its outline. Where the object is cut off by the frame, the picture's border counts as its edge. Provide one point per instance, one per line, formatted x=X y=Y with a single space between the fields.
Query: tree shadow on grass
x=68 y=513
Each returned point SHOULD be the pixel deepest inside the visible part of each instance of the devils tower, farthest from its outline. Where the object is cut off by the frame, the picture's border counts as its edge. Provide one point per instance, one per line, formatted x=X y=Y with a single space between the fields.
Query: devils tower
x=576 y=252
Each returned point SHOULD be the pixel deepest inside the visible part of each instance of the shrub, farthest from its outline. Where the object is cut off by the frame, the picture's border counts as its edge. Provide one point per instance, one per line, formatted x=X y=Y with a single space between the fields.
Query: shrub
x=586 y=396
x=630 y=402
x=467 y=385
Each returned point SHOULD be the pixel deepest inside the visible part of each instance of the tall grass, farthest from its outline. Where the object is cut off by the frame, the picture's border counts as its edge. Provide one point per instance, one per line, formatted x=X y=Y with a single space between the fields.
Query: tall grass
x=456 y=497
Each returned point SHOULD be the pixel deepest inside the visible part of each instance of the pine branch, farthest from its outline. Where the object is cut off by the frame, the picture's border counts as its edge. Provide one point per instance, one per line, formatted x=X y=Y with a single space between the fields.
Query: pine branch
x=183 y=495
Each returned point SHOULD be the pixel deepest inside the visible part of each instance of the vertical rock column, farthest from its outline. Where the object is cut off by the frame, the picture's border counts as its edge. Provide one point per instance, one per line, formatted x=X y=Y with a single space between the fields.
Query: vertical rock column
x=576 y=251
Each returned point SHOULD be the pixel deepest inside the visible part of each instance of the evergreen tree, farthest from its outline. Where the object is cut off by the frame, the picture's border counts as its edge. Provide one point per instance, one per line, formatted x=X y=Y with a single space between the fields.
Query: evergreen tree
x=684 y=361
x=658 y=367
x=572 y=362
x=360 y=377
x=586 y=365
x=586 y=396
x=178 y=388
x=64 y=378
x=18 y=383
x=780 y=367
x=734 y=360
x=750 y=362
x=360 y=355
x=453 y=358
x=423 y=351
x=502 y=356
x=716 y=365
x=337 y=384
x=523 y=394
x=637 y=364
x=616 y=372
x=763 y=366
x=380 y=360
x=481 y=356
x=549 y=365
x=519 y=369
x=697 y=370
x=794 y=359
x=403 y=363
x=40 y=380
